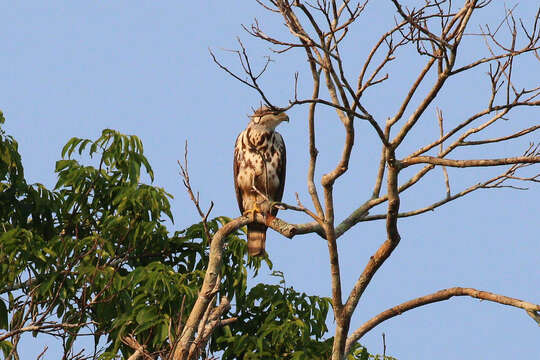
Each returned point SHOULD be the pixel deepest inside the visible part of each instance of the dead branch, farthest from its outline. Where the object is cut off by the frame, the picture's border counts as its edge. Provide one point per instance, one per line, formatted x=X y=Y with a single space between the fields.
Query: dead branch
x=495 y=182
x=140 y=350
x=468 y=163
x=436 y=33
x=445 y=172
x=392 y=240
x=440 y=295
x=246 y=65
x=41 y=354
x=184 y=172
x=499 y=113
x=209 y=324
x=211 y=279
x=41 y=328
x=209 y=284
x=500 y=139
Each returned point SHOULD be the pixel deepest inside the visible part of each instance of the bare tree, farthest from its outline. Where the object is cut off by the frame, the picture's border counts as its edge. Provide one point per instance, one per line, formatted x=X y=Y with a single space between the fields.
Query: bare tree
x=436 y=31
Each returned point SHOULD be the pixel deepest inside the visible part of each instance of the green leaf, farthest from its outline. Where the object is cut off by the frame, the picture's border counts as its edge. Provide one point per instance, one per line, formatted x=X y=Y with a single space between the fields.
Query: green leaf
x=6 y=347
x=146 y=315
x=100 y=235
x=3 y=315
x=83 y=145
x=46 y=286
x=162 y=331
x=364 y=355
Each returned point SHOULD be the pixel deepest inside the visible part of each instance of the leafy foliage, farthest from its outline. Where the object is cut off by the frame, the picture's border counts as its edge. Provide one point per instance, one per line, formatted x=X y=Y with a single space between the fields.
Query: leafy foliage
x=93 y=255
x=275 y=322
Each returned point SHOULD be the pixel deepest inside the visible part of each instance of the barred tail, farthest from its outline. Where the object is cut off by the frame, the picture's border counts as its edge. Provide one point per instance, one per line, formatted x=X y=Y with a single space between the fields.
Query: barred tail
x=256 y=242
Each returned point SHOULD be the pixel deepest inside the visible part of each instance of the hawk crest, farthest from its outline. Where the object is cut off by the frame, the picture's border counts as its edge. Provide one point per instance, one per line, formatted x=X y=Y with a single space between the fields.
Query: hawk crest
x=259 y=171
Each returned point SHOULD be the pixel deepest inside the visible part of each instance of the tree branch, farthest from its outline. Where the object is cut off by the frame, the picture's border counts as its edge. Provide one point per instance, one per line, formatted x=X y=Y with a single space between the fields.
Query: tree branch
x=440 y=295
x=41 y=327
x=392 y=240
x=211 y=277
x=468 y=163
x=184 y=172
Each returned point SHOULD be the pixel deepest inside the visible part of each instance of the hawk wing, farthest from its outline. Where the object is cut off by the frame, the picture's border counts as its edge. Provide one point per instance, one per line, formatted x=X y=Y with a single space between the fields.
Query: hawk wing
x=236 y=168
x=281 y=170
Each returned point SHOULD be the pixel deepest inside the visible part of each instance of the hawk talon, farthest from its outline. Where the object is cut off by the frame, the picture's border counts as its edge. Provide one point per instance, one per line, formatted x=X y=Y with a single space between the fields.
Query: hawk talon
x=254 y=210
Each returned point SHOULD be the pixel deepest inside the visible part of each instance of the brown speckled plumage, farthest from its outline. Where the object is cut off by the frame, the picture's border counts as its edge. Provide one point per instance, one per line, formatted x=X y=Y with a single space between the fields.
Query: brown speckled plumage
x=260 y=161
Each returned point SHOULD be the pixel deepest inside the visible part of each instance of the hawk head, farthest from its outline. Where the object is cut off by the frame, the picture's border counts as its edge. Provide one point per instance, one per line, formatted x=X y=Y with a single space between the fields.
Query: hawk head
x=268 y=118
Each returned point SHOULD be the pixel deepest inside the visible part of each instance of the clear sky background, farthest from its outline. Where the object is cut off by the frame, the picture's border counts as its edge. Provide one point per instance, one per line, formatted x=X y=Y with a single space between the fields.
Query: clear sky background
x=74 y=68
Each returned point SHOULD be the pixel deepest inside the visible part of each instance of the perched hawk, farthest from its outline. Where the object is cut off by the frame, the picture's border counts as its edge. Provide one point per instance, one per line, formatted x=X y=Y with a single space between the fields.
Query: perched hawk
x=259 y=171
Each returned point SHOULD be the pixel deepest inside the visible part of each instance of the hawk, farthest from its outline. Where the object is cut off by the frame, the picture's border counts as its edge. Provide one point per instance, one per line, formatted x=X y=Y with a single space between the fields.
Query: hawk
x=259 y=171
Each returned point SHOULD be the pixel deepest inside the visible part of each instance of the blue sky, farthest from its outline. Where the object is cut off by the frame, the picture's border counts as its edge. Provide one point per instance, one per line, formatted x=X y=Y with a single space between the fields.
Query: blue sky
x=74 y=68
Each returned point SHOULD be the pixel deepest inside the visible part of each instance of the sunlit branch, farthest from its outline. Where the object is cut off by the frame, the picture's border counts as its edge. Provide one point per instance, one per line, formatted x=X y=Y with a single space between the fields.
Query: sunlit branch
x=440 y=295
x=468 y=163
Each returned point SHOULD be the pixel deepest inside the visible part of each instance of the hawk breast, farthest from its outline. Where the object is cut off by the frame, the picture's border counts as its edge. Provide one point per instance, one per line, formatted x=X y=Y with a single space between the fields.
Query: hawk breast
x=260 y=161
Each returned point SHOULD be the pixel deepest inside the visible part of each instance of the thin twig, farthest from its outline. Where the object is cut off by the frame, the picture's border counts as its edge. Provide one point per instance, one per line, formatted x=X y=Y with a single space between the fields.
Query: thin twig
x=184 y=172
x=445 y=172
